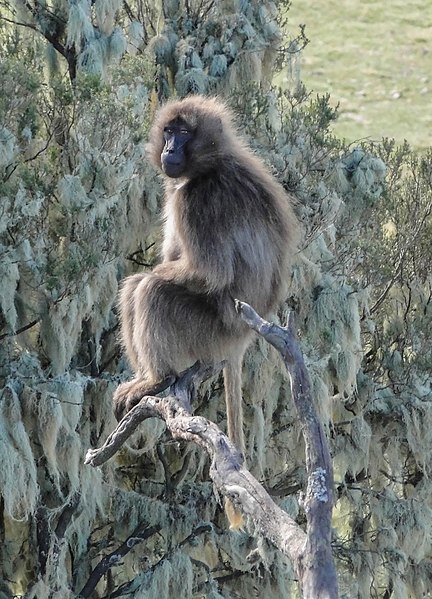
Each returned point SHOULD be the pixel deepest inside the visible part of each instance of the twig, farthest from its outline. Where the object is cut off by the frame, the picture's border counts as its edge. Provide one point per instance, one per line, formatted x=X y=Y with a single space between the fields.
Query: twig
x=141 y=533
x=21 y=330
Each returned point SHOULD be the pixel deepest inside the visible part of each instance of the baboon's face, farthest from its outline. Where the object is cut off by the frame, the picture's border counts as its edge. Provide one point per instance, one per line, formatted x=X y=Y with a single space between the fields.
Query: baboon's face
x=174 y=157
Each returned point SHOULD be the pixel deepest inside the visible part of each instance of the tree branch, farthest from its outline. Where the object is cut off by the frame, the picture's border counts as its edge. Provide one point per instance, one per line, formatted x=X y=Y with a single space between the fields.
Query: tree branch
x=311 y=554
x=316 y=567
x=230 y=477
x=140 y=534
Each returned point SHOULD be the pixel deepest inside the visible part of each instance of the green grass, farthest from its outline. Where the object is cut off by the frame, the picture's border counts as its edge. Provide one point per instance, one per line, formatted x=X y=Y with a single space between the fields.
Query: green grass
x=374 y=58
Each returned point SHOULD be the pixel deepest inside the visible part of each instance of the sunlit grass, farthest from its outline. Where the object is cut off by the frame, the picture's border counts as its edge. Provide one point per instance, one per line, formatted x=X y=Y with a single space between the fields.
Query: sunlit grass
x=375 y=60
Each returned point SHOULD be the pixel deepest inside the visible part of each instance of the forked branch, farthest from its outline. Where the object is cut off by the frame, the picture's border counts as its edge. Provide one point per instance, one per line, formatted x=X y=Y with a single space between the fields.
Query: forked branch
x=310 y=553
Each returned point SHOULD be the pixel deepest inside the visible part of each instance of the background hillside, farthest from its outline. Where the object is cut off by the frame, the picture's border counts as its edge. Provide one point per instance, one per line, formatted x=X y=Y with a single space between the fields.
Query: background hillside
x=375 y=59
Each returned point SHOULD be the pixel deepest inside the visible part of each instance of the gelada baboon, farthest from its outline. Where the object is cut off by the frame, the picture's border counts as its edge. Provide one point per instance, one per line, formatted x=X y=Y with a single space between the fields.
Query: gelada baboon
x=229 y=232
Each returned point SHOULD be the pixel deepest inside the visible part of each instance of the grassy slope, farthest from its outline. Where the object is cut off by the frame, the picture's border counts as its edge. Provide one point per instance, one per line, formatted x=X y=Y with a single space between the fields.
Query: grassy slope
x=374 y=57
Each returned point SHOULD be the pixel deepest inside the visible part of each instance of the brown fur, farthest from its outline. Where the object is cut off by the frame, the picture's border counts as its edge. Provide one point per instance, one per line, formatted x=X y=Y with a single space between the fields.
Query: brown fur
x=230 y=232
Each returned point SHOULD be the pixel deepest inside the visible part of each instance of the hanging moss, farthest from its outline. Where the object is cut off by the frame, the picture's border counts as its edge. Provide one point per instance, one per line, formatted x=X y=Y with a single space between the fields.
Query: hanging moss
x=191 y=81
x=79 y=26
x=218 y=66
x=105 y=12
x=8 y=148
x=18 y=477
x=117 y=45
x=9 y=274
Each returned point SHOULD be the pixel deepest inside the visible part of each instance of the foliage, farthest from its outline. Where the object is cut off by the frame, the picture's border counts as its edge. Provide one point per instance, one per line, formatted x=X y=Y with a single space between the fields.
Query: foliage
x=79 y=206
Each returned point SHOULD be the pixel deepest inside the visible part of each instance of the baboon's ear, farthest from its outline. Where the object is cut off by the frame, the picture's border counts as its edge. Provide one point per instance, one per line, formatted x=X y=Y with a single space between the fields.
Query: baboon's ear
x=219 y=124
x=214 y=127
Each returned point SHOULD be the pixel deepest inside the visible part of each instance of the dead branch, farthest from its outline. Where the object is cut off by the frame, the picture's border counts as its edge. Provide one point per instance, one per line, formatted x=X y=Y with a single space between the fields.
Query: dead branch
x=316 y=569
x=311 y=554
x=140 y=534
x=229 y=475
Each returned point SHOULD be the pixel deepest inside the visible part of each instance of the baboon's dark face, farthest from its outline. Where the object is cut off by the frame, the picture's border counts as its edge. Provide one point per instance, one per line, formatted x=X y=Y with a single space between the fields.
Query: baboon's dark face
x=174 y=157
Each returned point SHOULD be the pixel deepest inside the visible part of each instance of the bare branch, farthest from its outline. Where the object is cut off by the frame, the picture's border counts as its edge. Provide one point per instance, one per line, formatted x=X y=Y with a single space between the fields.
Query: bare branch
x=230 y=477
x=140 y=534
x=21 y=330
x=311 y=554
x=316 y=568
